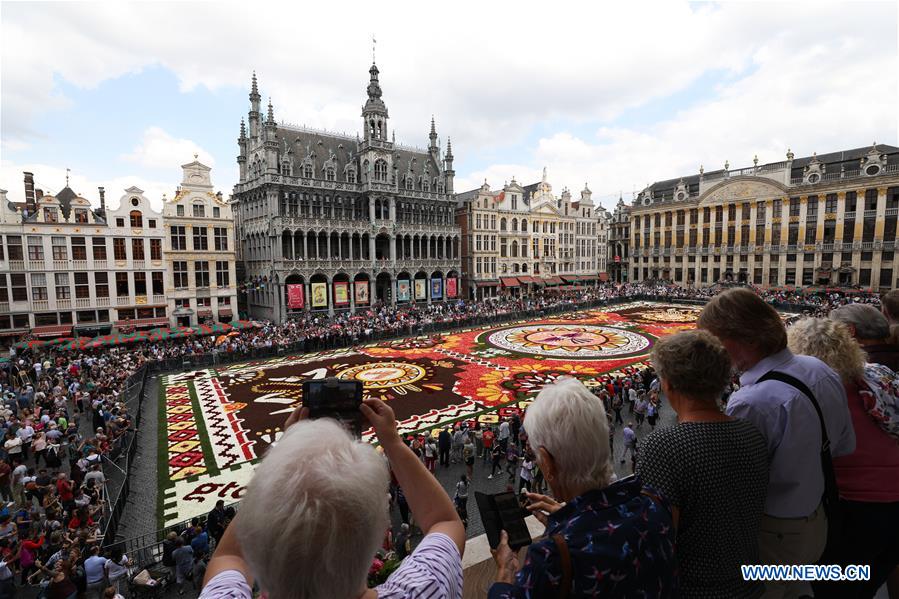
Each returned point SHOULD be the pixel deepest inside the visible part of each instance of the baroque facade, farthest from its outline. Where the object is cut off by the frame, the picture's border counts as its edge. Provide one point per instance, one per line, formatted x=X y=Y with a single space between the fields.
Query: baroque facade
x=199 y=251
x=67 y=267
x=823 y=220
x=520 y=238
x=329 y=221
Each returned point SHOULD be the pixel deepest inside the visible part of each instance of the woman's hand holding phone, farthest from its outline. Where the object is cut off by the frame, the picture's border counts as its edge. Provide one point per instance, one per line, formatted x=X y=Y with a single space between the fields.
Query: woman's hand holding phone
x=382 y=419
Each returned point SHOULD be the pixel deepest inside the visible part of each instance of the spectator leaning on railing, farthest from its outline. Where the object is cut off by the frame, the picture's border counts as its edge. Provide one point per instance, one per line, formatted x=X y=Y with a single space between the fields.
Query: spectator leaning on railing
x=614 y=540
x=794 y=528
x=713 y=468
x=315 y=513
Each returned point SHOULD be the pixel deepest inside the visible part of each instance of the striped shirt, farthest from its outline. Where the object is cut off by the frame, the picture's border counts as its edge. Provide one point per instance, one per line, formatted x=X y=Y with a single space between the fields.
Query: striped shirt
x=433 y=571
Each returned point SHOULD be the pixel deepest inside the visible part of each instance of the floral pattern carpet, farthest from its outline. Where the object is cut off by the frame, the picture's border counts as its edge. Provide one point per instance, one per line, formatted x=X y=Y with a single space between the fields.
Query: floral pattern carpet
x=220 y=421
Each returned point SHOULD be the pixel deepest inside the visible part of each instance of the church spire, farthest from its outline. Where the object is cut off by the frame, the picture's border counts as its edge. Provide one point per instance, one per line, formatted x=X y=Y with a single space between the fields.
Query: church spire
x=255 y=98
x=271 y=113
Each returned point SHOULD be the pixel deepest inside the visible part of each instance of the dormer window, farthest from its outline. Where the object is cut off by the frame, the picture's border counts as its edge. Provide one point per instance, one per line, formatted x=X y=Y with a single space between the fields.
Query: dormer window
x=329 y=174
x=81 y=215
x=307 y=171
x=408 y=182
x=425 y=186
x=137 y=219
x=199 y=211
x=351 y=176
x=50 y=215
x=179 y=210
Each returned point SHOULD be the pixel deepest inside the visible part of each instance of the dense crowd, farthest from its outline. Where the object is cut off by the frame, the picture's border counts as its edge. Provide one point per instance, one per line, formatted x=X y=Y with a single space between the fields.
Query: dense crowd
x=62 y=418
x=796 y=461
x=63 y=414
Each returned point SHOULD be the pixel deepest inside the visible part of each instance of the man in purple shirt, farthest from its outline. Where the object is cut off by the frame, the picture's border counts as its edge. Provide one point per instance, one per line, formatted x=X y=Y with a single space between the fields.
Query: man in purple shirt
x=794 y=527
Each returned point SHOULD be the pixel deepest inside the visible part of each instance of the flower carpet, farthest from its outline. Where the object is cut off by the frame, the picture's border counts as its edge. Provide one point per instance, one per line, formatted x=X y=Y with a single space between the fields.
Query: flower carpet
x=219 y=421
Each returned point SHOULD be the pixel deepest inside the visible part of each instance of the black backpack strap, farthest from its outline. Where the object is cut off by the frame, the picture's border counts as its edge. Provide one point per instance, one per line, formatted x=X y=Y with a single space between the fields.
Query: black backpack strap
x=831 y=497
x=773 y=375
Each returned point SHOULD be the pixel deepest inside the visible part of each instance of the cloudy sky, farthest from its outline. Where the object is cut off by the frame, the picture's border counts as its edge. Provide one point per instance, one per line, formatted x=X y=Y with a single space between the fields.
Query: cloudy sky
x=614 y=94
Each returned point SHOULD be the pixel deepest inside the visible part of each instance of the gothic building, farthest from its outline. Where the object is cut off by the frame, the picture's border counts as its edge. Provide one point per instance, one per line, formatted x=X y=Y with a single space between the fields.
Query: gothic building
x=328 y=221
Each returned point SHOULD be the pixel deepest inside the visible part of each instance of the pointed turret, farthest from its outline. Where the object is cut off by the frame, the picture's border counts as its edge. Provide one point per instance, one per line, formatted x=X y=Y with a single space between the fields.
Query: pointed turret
x=255 y=116
x=432 y=136
x=448 y=171
x=270 y=120
x=243 y=129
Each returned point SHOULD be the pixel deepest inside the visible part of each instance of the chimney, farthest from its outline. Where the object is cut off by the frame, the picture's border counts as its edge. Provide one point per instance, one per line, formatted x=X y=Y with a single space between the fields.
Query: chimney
x=29 y=192
x=102 y=191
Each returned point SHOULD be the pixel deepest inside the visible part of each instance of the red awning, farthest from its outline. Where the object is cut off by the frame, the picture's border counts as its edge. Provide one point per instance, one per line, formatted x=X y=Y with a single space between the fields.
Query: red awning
x=140 y=323
x=571 y=279
x=526 y=280
x=553 y=281
x=509 y=281
x=486 y=283
x=53 y=330
x=204 y=312
x=225 y=312
x=603 y=276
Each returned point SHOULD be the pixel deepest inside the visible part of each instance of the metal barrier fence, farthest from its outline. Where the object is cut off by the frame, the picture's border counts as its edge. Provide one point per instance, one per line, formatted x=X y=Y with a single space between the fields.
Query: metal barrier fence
x=147 y=549
x=117 y=465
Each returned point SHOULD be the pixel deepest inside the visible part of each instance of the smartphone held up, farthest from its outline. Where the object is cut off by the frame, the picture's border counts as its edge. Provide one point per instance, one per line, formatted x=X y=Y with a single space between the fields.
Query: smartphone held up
x=337 y=399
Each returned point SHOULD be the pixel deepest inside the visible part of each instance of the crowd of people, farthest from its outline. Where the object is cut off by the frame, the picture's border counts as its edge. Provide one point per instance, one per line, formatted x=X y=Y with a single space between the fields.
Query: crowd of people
x=796 y=461
x=63 y=415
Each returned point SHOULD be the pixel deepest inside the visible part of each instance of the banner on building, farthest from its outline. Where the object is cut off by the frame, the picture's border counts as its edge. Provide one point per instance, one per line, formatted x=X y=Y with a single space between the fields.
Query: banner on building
x=421 y=289
x=341 y=293
x=402 y=290
x=319 y=295
x=452 y=287
x=436 y=288
x=361 y=291
x=295 y=296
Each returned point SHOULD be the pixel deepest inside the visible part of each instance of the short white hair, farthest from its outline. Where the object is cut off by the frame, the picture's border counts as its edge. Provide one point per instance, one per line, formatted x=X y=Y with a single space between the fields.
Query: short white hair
x=315 y=513
x=570 y=423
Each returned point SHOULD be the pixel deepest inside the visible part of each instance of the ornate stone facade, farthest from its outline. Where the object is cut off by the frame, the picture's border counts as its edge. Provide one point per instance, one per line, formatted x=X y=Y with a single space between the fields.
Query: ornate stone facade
x=339 y=222
x=522 y=237
x=828 y=220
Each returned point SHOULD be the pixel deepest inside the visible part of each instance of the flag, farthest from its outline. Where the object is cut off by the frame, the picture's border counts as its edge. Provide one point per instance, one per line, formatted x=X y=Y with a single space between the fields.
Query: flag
x=500 y=196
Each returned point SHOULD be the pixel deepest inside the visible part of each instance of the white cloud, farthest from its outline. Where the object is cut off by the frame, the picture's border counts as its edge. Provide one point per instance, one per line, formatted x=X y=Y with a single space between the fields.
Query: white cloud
x=160 y=150
x=51 y=179
x=799 y=75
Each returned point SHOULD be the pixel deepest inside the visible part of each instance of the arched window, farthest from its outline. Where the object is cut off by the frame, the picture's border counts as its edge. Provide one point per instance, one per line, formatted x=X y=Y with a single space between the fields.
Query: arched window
x=409 y=182
x=514 y=224
x=307 y=171
x=502 y=224
x=514 y=249
x=524 y=225
x=524 y=267
x=380 y=170
x=329 y=174
x=365 y=167
x=137 y=219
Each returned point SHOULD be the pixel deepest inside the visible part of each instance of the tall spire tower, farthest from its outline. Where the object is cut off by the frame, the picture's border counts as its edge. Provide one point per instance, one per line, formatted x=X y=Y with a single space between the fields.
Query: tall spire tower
x=374 y=113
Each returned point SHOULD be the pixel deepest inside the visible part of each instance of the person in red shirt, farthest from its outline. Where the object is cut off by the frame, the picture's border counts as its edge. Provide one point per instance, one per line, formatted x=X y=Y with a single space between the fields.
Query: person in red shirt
x=487 y=440
x=65 y=492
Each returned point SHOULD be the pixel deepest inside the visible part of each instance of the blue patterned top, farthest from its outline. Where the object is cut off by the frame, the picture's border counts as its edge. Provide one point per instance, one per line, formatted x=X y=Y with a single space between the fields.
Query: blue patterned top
x=621 y=543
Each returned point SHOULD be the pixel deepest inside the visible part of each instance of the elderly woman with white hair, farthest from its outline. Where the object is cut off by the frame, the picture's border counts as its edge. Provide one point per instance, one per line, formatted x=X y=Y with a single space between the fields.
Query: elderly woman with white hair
x=601 y=539
x=868 y=478
x=315 y=513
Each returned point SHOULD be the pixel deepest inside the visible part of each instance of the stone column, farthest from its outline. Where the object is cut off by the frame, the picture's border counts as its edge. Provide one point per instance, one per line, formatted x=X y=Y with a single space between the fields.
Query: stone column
x=371 y=209
x=371 y=247
x=392 y=246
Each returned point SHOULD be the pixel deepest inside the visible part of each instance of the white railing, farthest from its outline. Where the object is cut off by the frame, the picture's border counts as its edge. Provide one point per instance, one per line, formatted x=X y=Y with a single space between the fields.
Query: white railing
x=60 y=265
x=63 y=303
x=102 y=301
x=158 y=299
x=16 y=265
x=36 y=265
x=40 y=305
x=82 y=302
x=123 y=301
